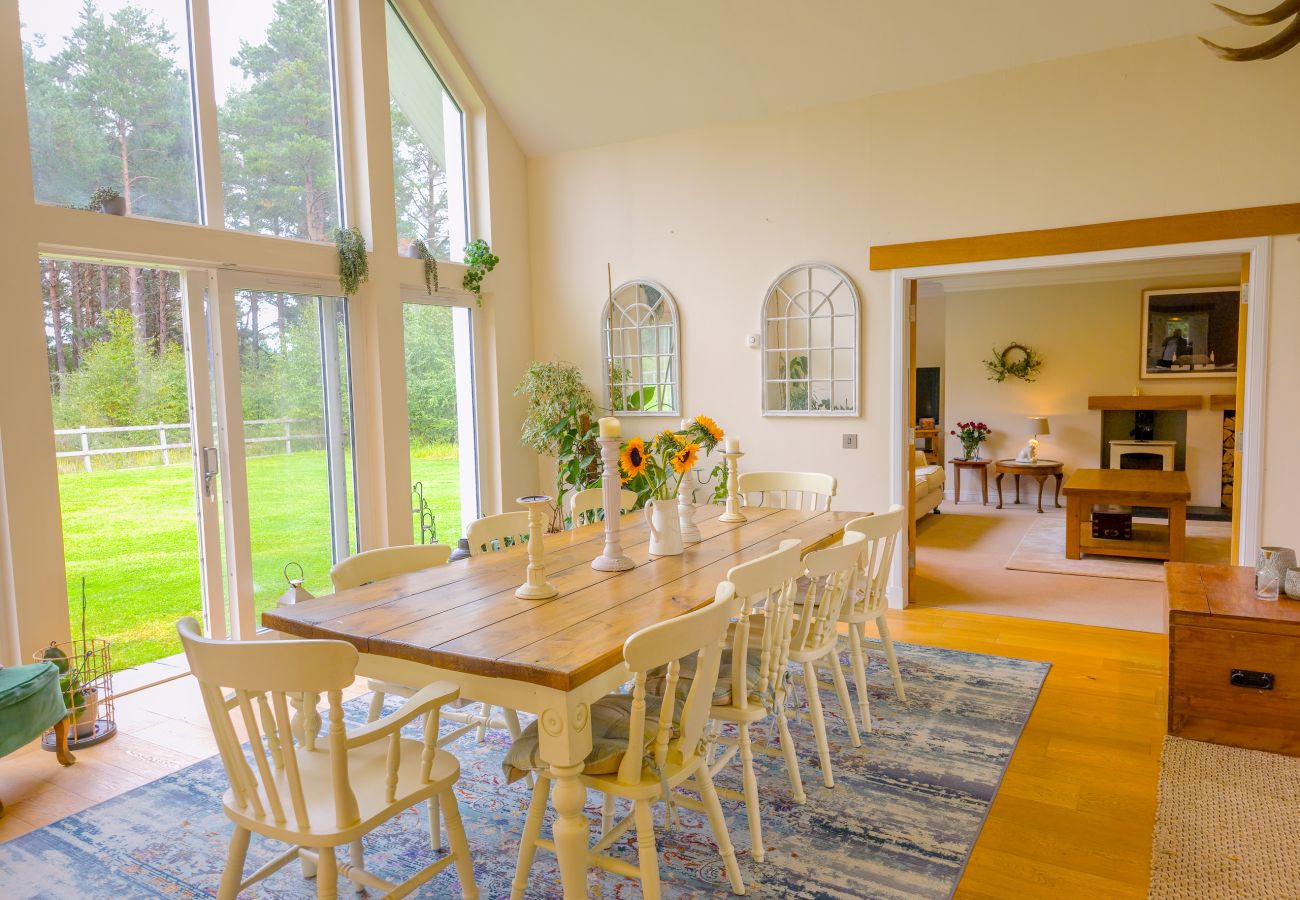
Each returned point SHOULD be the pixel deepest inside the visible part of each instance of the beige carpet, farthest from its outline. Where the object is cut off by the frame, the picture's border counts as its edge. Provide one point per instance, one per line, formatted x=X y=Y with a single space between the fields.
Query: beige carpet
x=1043 y=550
x=1226 y=824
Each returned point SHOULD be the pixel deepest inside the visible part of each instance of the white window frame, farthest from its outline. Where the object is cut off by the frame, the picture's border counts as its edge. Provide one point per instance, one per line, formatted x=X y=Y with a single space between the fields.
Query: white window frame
x=674 y=350
x=813 y=312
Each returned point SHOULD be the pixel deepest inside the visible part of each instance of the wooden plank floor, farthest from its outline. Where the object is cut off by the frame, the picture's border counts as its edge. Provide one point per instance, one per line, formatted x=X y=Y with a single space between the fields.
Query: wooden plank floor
x=1073 y=816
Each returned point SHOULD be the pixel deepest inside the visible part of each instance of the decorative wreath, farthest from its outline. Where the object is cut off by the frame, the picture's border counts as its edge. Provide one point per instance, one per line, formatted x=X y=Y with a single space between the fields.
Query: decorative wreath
x=1006 y=362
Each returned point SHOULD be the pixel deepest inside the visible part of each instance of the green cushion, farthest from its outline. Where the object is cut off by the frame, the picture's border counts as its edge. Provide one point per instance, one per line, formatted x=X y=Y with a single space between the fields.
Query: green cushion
x=656 y=679
x=30 y=704
x=611 y=718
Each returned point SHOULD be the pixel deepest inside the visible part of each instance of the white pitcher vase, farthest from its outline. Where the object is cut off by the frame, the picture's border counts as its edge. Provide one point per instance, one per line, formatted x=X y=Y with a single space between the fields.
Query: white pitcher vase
x=665 y=527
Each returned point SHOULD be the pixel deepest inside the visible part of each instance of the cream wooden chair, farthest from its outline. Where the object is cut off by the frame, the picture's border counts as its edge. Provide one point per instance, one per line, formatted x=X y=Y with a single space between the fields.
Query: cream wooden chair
x=787 y=490
x=492 y=533
x=867 y=600
x=828 y=577
x=756 y=691
x=588 y=506
x=664 y=747
x=311 y=797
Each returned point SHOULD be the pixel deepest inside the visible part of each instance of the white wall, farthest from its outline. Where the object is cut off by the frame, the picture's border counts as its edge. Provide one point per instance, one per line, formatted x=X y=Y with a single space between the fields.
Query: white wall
x=1089 y=337
x=715 y=213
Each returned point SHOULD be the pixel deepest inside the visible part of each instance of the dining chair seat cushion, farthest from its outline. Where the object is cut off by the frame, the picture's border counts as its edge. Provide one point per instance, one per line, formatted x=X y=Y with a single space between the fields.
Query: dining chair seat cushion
x=611 y=719
x=656 y=679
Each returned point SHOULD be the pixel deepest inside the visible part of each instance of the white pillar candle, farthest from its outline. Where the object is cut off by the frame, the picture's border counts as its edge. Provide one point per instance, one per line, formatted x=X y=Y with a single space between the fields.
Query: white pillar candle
x=610 y=427
x=686 y=423
x=732 y=445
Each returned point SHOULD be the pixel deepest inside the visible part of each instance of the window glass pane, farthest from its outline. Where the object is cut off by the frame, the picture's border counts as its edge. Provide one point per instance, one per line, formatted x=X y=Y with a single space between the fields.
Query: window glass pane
x=439 y=391
x=122 y=440
x=109 y=104
x=276 y=115
x=428 y=149
x=298 y=437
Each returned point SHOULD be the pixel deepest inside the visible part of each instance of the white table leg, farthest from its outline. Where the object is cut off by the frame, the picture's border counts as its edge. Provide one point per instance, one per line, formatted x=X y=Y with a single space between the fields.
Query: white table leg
x=565 y=742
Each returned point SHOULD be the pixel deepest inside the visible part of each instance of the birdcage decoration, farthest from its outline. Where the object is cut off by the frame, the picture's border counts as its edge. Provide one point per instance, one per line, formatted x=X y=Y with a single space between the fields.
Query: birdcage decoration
x=86 y=682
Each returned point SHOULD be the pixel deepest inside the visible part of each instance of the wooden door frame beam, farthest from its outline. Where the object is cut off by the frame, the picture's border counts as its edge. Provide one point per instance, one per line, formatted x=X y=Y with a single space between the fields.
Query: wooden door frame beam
x=1220 y=225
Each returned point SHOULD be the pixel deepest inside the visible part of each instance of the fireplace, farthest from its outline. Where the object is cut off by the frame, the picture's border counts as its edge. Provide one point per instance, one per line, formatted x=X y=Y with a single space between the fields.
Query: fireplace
x=1156 y=455
x=1161 y=432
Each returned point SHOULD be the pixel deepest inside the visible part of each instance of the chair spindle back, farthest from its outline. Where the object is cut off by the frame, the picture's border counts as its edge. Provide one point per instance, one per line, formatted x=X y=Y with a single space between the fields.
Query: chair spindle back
x=375 y=565
x=681 y=722
x=586 y=507
x=493 y=533
x=810 y=491
x=829 y=575
x=869 y=593
x=765 y=586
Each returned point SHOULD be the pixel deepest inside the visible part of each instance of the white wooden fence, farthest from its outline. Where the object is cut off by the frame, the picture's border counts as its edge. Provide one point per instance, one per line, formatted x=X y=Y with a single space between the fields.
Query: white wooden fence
x=165 y=447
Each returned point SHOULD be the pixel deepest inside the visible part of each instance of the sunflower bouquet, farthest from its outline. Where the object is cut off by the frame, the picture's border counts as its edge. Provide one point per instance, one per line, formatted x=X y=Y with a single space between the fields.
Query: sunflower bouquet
x=654 y=468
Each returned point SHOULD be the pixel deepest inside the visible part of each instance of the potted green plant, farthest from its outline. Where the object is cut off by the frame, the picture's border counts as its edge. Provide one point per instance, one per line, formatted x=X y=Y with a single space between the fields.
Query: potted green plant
x=354 y=264
x=479 y=260
x=418 y=249
x=107 y=200
x=560 y=423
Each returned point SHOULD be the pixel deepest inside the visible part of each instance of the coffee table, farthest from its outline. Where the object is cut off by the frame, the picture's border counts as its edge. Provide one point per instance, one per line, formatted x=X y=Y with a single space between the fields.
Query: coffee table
x=1039 y=471
x=1127 y=487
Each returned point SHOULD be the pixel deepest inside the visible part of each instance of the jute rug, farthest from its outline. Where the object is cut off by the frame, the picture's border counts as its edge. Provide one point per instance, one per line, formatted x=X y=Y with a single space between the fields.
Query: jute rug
x=1043 y=550
x=1226 y=824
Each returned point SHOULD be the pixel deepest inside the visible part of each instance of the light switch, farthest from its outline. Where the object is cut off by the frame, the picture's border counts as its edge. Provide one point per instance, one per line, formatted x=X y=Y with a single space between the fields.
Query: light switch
x=850 y=442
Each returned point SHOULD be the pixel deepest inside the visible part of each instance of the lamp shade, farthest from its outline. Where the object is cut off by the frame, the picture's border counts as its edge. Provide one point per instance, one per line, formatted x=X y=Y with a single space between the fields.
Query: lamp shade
x=1038 y=425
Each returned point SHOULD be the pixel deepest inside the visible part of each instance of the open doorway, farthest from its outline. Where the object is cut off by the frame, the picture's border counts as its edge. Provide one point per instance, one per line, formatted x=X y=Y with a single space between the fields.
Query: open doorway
x=1103 y=397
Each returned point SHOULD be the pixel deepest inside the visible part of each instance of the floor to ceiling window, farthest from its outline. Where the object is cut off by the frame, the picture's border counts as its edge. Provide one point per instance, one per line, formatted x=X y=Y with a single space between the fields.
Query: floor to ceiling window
x=428 y=148
x=236 y=127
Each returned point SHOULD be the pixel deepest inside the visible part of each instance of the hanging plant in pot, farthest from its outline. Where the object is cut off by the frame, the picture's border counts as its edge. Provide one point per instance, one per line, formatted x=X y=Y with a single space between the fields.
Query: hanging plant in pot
x=479 y=260
x=354 y=264
x=107 y=200
x=418 y=249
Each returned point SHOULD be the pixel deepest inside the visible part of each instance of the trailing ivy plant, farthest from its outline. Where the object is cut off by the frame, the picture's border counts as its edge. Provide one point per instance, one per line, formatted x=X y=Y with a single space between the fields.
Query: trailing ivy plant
x=354 y=264
x=560 y=423
x=430 y=265
x=479 y=260
x=1003 y=364
x=101 y=196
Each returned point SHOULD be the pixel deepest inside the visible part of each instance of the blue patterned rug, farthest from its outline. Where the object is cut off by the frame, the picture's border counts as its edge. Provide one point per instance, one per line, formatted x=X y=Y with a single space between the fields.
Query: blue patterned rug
x=899 y=823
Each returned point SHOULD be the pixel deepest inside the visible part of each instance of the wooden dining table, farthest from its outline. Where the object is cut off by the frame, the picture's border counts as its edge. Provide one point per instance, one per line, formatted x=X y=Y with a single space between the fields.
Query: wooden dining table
x=554 y=658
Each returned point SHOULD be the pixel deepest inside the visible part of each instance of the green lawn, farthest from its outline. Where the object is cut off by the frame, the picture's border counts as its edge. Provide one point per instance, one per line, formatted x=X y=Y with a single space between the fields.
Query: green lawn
x=131 y=533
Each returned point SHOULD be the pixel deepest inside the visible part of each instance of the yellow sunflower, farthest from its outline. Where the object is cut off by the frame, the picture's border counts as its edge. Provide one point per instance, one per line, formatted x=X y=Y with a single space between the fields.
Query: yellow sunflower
x=633 y=459
x=684 y=459
x=710 y=426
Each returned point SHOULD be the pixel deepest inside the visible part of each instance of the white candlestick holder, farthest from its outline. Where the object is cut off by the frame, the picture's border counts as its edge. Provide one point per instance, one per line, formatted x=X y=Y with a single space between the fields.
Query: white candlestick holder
x=536 y=587
x=733 y=513
x=686 y=509
x=612 y=559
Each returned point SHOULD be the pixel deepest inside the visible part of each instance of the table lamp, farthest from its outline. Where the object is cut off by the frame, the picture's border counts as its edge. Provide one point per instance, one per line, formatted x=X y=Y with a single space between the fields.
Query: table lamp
x=1038 y=425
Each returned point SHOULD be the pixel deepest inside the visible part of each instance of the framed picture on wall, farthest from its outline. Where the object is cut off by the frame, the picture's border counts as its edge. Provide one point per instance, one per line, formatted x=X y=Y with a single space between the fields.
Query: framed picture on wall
x=1190 y=332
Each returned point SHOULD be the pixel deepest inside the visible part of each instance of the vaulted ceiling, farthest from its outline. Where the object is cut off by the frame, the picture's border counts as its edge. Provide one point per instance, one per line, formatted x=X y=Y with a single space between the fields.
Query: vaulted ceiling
x=577 y=73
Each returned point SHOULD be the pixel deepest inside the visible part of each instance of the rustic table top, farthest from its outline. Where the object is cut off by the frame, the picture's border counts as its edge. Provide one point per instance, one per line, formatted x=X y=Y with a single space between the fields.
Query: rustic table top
x=1197 y=592
x=465 y=617
x=1147 y=482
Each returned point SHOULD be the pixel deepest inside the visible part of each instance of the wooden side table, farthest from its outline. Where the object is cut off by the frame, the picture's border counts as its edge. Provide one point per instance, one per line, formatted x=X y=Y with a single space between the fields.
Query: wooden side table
x=1039 y=471
x=981 y=464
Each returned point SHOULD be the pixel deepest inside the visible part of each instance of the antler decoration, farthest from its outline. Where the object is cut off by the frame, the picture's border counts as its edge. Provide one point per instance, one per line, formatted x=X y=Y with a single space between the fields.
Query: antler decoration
x=1278 y=44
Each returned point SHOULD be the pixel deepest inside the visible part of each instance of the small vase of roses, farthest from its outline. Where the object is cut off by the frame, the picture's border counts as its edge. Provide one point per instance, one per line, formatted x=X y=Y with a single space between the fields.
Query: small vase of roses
x=971 y=435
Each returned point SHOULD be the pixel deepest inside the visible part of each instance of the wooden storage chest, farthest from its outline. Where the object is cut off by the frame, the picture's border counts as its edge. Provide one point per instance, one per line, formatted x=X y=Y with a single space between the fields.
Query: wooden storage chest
x=1234 y=661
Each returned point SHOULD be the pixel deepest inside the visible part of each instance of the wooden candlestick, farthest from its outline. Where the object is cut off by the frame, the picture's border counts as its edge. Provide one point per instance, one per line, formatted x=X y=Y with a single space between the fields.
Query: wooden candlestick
x=613 y=558
x=536 y=587
x=733 y=513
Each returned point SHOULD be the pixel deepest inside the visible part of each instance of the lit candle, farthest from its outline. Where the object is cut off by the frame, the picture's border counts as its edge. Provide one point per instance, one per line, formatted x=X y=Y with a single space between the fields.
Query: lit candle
x=732 y=445
x=609 y=427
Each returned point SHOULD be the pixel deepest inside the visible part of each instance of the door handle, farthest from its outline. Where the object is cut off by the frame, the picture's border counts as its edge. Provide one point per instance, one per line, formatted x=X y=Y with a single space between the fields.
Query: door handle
x=210 y=469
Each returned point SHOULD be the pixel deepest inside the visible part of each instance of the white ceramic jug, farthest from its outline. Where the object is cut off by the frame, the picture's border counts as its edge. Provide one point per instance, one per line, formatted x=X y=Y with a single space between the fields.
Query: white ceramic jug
x=665 y=527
